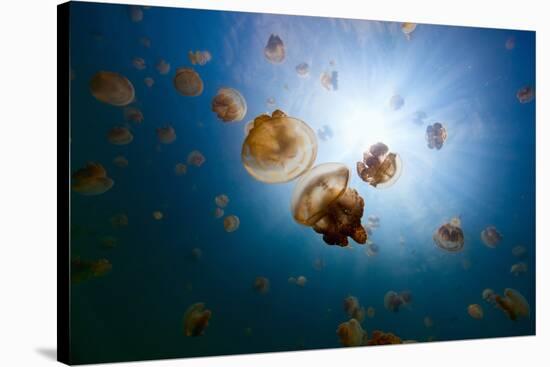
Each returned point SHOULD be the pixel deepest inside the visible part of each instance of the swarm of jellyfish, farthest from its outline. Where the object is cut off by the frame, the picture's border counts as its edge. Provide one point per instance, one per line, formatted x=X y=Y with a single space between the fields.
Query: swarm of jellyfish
x=195 y=158
x=91 y=180
x=302 y=69
x=119 y=220
x=274 y=50
x=525 y=94
x=393 y=300
x=261 y=285
x=396 y=102
x=519 y=268
x=82 y=270
x=166 y=134
x=139 y=63
x=491 y=237
x=513 y=304
x=163 y=67
x=120 y=136
x=136 y=13
x=180 y=169
x=195 y=319
x=112 y=88
x=199 y=57
x=221 y=200
x=436 y=135
x=353 y=309
x=188 y=82
x=157 y=215
x=278 y=148
x=351 y=334
x=408 y=28
x=382 y=338
x=231 y=223
x=329 y=80
x=149 y=81
x=229 y=105
x=449 y=236
x=475 y=311
x=300 y=281
x=379 y=167
x=133 y=114
x=120 y=161
x=325 y=133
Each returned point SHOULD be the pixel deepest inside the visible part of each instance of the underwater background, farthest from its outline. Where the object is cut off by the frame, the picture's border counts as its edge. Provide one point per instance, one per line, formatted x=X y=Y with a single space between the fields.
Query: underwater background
x=465 y=78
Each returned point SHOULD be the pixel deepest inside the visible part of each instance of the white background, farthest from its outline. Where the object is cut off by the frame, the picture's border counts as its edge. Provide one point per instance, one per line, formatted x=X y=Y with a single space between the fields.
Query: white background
x=28 y=210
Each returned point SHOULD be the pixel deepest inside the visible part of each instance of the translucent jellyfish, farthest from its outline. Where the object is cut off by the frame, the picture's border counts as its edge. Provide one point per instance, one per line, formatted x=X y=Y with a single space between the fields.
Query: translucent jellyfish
x=166 y=134
x=436 y=135
x=120 y=161
x=406 y=297
x=383 y=338
x=82 y=270
x=274 y=51
x=188 y=82
x=475 y=311
x=139 y=63
x=195 y=319
x=199 y=57
x=302 y=69
x=221 y=200
x=195 y=158
x=329 y=80
x=449 y=236
x=513 y=304
x=112 y=88
x=91 y=180
x=180 y=169
x=133 y=114
x=428 y=322
x=163 y=67
x=231 y=223
x=218 y=213
x=488 y=295
x=371 y=312
x=108 y=242
x=519 y=251
x=120 y=136
x=354 y=309
x=407 y=29
x=229 y=105
x=392 y=301
x=525 y=94
x=351 y=334
x=419 y=117
x=325 y=133
x=270 y=102
x=491 y=237
x=373 y=221
x=318 y=264
x=278 y=148
x=396 y=102
x=510 y=43
x=261 y=285
x=158 y=215
x=379 y=167
x=136 y=13
x=119 y=220
x=518 y=268
x=145 y=42
x=372 y=249
x=149 y=81
x=299 y=281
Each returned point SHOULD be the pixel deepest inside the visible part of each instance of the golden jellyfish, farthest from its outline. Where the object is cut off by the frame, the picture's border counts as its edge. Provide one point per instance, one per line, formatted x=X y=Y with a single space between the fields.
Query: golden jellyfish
x=379 y=167
x=195 y=158
x=149 y=81
x=218 y=213
x=91 y=180
x=163 y=67
x=392 y=301
x=354 y=309
x=274 y=51
x=261 y=285
x=408 y=28
x=475 y=311
x=302 y=69
x=488 y=295
x=166 y=134
x=371 y=312
x=278 y=148
x=133 y=114
x=519 y=251
x=180 y=169
x=139 y=63
x=199 y=57
x=231 y=223
x=510 y=43
x=136 y=13
x=229 y=105
x=108 y=242
x=428 y=322
x=195 y=319
x=491 y=237
x=436 y=135
x=513 y=304
x=449 y=236
x=396 y=102
x=82 y=270
x=120 y=136
x=120 y=161
x=188 y=82
x=383 y=338
x=519 y=268
x=112 y=88
x=329 y=80
x=221 y=200
x=158 y=215
x=119 y=220
x=525 y=94
x=351 y=334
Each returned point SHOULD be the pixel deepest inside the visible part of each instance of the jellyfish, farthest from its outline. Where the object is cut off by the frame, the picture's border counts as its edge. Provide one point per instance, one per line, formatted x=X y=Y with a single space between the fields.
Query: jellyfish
x=299 y=281
x=274 y=51
x=449 y=236
x=180 y=169
x=91 y=180
x=145 y=42
x=195 y=319
x=329 y=80
x=428 y=322
x=108 y=242
x=372 y=249
x=406 y=297
x=166 y=134
x=149 y=81
x=133 y=114
x=82 y=270
x=188 y=82
x=278 y=148
x=158 y=215
x=354 y=309
x=199 y=57
x=379 y=167
x=261 y=285
x=519 y=251
x=510 y=43
x=112 y=88
x=231 y=223
x=195 y=158
x=407 y=29
x=392 y=301
x=475 y=311
x=120 y=161
x=318 y=264
x=491 y=237
x=119 y=220
x=163 y=67
x=270 y=102
x=218 y=213
x=373 y=221
x=325 y=133
x=488 y=295
x=518 y=268
x=513 y=304
x=351 y=334
x=229 y=105
x=135 y=12
x=383 y=338
x=371 y=312
x=436 y=135
x=525 y=94
x=221 y=200
x=120 y=136
x=302 y=70
x=419 y=117
x=396 y=102
x=139 y=63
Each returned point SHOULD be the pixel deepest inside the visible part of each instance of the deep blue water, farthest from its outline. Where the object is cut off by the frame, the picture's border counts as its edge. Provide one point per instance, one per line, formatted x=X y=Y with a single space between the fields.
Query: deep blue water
x=485 y=173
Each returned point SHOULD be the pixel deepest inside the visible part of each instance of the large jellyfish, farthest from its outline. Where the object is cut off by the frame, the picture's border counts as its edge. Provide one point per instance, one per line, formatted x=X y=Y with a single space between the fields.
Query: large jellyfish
x=379 y=167
x=383 y=338
x=229 y=105
x=120 y=161
x=112 y=88
x=82 y=270
x=180 y=169
x=166 y=134
x=120 y=136
x=199 y=57
x=91 y=180
x=302 y=69
x=133 y=114
x=163 y=67
x=408 y=28
x=195 y=319
x=351 y=334
x=195 y=158
x=329 y=80
x=278 y=148
x=436 y=135
x=231 y=223
x=261 y=285
x=518 y=268
x=139 y=63
x=188 y=82
x=119 y=220
x=396 y=102
x=525 y=94
x=449 y=236
x=513 y=304
x=519 y=251
x=475 y=311
x=221 y=200
x=491 y=237
x=354 y=309
x=274 y=51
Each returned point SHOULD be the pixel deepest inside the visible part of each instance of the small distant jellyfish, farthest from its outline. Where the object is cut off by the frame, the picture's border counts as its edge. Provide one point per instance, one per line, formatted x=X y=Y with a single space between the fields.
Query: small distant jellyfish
x=261 y=285
x=436 y=135
x=392 y=301
x=231 y=223
x=229 y=105
x=195 y=319
x=270 y=102
x=406 y=297
x=91 y=180
x=218 y=213
x=428 y=322
x=396 y=102
x=149 y=81
x=351 y=334
x=513 y=304
x=120 y=136
x=325 y=133
x=419 y=117
x=510 y=43
x=373 y=221
x=119 y=220
x=112 y=88
x=221 y=200
x=82 y=270
x=139 y=63
x=318 y=264
x=329 y=80
x=145 y=42
x=408 y=28
x=379 y=167
x=475 y=311
x=195 y=158
x=371 y=312
x=449 y=236
x=278 y=148
x=488 y=295
x=163 y=67
x=491 y=237
x=354 y=309
x=274 y=51
x=108 y=242
x=120 y=161
x=525 y=94
x=196 y=253
x=382 y=338
x=518 y=268
x=188 y=82
x=302 y=70
x=199 y=57
x=166 y=134
x=136 y=13
x=180 y=169
x=299 y=281
x=519 y=251
x=133 y=114
x=372 y=249
x=157 y=215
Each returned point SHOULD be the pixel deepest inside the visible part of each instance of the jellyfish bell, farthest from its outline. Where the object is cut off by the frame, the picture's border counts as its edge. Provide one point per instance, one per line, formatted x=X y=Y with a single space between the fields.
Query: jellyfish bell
x=449 y=236
x=513 y=304
x=139 y=63
x=195 y=319
x=188 y=82
x=149 y=81
x=229 y=105
x=195 y=158
x=166 y=134
x=221 y=200
x=519 y=251
x=218 y=212
x=158 y=215
x=163 y=67
x=120 y=161
x=396 y=102
x=351 y=334
x=510 y=43
x=436 y=135
x=301 y=281
x=380 y=168
x=491 y=237
x=199 y=57
x=136 y=13
x=278 y=148
x=392 y=301
x=261 y=285
x=112 y=88
x=525 y=94
x=231 y=223
x=120 y=136
x=329 y=80
x=488 y=295
x=180 y=169
x=91 y=180
x=371 y=312
x=145 y=42
x=406 y=297
x=274 y=51
x=372 y=249
x=133 y=114
x=302 y=69
x=475 y=311
x=518 y=268
x=407 y=28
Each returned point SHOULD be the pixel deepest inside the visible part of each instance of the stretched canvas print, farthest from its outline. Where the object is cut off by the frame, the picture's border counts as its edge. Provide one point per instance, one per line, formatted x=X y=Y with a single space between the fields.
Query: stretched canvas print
x=242 y=182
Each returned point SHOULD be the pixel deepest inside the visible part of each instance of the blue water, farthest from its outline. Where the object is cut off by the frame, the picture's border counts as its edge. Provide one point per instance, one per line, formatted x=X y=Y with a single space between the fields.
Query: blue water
x=485 y=173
